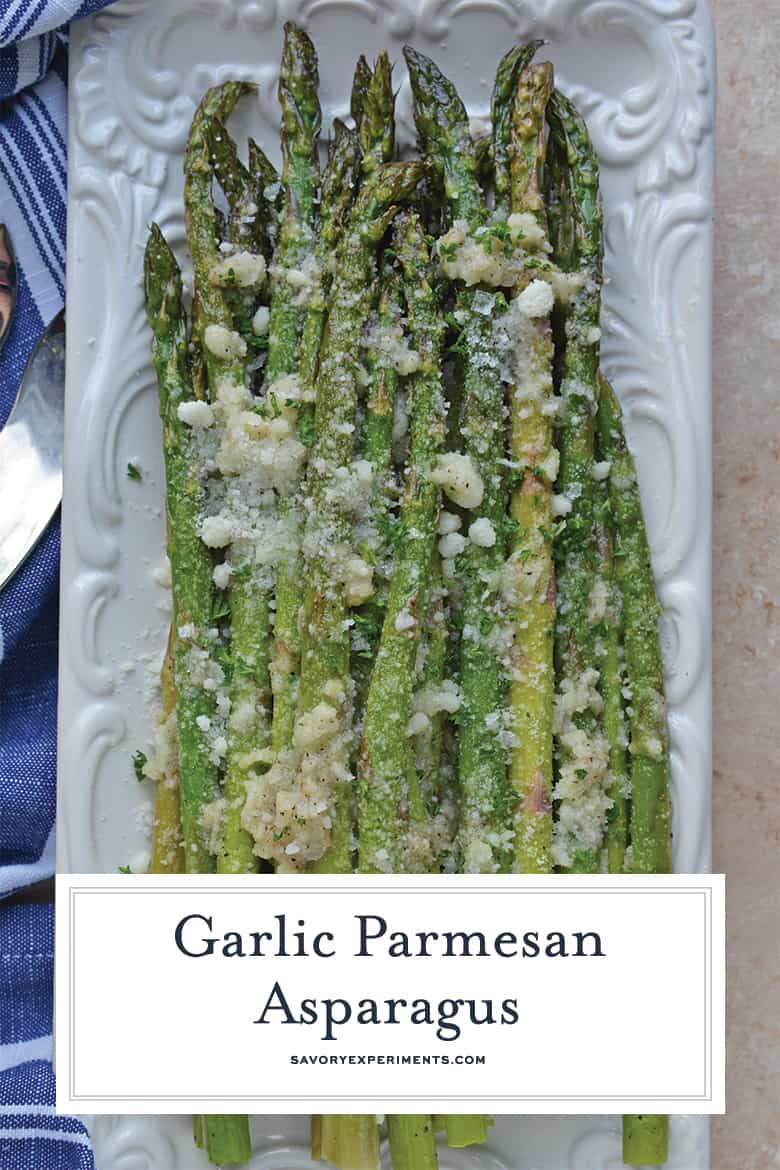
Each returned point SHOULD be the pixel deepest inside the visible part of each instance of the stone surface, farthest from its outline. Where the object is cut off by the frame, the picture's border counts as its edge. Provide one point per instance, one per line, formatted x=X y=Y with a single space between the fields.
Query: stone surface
x=747 y=571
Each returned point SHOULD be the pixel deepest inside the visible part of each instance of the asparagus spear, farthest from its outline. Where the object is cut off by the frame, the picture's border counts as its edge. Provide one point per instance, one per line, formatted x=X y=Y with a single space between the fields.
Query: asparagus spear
x=582 y=749
x=530 y=565
x=352 y=1142
x=326 y=643
x=167 y=847
x=412 y=1141
x=266 y=177
x=444 y=138
x=190 y=559
x=227 y=1139
x=381 y=391
x=387 y=778
x=443 y=130
x=339 y=182
x=246 y=202
x=649 y=768
x=506 y=110
x=360 y=83
x=645 y=1136
x=301 y=119
x=376 y=120
x=250 y=614
x=373 y=108
x=645 y=1139
x=349 y=1141
x=466 y=1129
x=225 y=361
x=321 y=741
x=429 y=743
x=612 y=679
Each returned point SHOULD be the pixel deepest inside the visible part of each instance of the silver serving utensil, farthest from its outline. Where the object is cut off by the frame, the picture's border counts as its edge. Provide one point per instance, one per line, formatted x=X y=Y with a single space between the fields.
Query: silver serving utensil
x=31 y=451
x=7 y=283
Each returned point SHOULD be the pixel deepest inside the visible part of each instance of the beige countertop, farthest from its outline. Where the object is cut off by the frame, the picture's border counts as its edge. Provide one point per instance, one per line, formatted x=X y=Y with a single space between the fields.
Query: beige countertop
x=747 y=571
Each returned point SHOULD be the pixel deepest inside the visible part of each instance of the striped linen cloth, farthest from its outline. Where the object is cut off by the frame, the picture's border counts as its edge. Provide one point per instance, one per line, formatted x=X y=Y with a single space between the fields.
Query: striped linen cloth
x=33 y=77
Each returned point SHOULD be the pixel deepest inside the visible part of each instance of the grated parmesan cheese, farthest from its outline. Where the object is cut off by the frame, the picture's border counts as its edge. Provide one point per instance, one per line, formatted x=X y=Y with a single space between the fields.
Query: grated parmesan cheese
x=221 y=574
x=482 y=533
x=405 y=620
x=224 y=343
x=260 y=321
x=418 y=724
x=536 y=300
x=239 y=269
x=566 y=285
x=358 y=580
x=459 y=479
x=524 y=228
x=216 y=531
x=452 y=545
x=448 y=522
x=195 y=413
x=391 y=343
x=212 y=819
x=598 y=602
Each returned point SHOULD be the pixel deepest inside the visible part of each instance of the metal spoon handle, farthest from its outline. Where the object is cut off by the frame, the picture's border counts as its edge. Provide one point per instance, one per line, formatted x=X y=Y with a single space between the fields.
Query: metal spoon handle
x=31 y=452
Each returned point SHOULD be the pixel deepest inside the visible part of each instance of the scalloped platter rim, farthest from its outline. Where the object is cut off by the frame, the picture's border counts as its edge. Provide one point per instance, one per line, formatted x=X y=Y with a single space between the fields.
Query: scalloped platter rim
x=643 y=73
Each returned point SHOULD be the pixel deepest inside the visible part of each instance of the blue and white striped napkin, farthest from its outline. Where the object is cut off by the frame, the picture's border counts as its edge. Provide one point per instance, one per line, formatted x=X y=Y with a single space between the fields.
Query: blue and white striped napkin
x=33 y=78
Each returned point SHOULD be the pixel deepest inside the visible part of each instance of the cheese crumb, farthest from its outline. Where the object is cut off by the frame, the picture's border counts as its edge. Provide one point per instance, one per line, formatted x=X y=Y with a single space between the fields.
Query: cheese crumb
x=162 y=574
x=600 y=471
x=561 y=506
x=478 y=857
x=195 y=413
x=482 y=533
x=536 y=299
x=224 y=343
x=358 y=580
x=524 y=229
x=566 y=285
x=448 y=522
x=444 y=697
x=393 y=344
x=260 y=320
x=221 y=574
x=216 y=531
x=418 y=724
x=598 y=601
x=452 y=545
x=316 y=727
x=405 y=620
x=212 y=819
x=459 y=479
x=240 y=270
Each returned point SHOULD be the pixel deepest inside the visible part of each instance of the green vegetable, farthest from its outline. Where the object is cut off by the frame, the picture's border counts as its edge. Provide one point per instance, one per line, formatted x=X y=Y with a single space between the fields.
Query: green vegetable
x=412 y=1141
x=577 y=248
x=531 y=448
x=325 y=664
x=392 y=816
x=301 y=118
x=190 y=559
x=649 y=769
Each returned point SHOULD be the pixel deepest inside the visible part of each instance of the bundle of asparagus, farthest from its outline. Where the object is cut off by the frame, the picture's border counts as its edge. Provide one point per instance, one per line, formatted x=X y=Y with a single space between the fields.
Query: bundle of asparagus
x=415 y=623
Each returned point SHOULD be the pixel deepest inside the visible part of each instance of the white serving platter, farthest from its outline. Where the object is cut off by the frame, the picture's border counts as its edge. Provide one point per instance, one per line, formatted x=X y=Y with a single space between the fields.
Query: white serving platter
x=643 y=72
